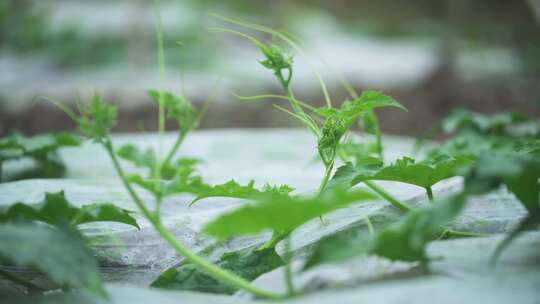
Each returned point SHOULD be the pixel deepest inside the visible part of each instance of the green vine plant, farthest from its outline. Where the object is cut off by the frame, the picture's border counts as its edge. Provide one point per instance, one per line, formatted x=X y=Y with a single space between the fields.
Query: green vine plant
x=168 y=177
x=335 y=122
x=511 y=163
x=96 y=121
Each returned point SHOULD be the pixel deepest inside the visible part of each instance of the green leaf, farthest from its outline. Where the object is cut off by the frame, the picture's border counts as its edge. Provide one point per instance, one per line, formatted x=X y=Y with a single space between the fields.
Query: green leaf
x=247 y=263
x=178 y=107
x=370 y=124
x=362 y=154
x=343 y=177
x=423 y=174
x=57 y=211
x=339 y=121
x=277 y=58
x=101 y=212
x=183 y=179
x=235 y=190
x=370 y=100
x=405 y=240
x=97 y=119
x=131 y=153
x=59 y=254
x=280 y=213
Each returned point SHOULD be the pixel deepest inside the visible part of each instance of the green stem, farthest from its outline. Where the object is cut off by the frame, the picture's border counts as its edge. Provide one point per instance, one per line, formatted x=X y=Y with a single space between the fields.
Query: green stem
x=326 y=178
x=288 y=268
x=378 y=135
x=172 y=152
x=277 y=237
x=12 y=277
x=212 y=269
x=380 y=191
x=272 y=242
x=161 y=66
x=110 y=150
x=385 y=195
x=216 y=271
x=370 y=227
x=306 y=120
x=429 y=192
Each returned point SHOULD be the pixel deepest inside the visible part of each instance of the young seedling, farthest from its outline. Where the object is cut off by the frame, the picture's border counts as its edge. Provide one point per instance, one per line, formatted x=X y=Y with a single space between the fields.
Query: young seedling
x=95 y=122
x=336 y=122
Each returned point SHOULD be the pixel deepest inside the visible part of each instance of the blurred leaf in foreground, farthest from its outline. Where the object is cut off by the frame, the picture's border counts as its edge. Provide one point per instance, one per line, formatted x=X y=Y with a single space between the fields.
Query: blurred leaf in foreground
x=58 y=253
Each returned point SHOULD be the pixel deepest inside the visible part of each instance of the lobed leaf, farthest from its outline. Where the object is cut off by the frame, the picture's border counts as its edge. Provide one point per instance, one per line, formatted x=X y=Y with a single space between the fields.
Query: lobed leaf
x=97 y=119
x=131 y=153
x=178 y=107
x=280 y=213
x=362 y=154
x=339 y=121
x=235 y=190
x=404 y=170
x=350 y=110
x=423 y=174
